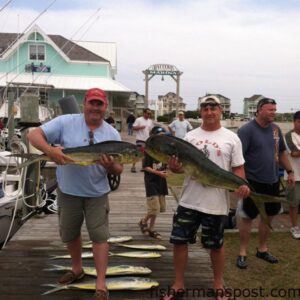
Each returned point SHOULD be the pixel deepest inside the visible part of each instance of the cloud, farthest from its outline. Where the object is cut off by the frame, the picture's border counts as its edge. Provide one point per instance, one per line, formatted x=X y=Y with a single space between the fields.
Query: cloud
x=236 y=48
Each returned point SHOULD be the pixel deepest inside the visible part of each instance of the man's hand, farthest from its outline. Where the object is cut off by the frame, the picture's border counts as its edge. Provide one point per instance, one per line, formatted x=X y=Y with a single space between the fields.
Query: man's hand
x=107 y=162
x=175 y=165
x=242 y=191
x=56 y=155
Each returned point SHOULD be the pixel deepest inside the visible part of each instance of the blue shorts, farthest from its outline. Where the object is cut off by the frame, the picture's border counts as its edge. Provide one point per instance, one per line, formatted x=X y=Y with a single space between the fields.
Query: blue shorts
x=186 y=223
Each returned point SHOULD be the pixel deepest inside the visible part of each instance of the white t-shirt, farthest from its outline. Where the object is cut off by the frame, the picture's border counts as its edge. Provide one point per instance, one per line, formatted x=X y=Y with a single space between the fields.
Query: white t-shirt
x=294 y=161
x=180 y=127
x=224 y=148
x=143 y=134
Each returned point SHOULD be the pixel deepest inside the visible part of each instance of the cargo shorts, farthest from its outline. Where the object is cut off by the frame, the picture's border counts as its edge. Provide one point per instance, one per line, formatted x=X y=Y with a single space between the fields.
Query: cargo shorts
x=156 y=204
x=73 y=210
x=186 y=223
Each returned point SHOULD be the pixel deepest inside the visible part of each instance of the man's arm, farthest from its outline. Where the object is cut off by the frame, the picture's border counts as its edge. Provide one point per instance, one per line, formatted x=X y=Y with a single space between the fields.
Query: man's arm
x=242 y=191
x=110 y=165
x=171 y=130
x=285 y=163
x=38 y=140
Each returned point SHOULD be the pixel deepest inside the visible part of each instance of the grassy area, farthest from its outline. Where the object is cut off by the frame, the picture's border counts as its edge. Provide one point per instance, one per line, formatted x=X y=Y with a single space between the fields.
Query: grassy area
x=259 y=274
x=262 y=277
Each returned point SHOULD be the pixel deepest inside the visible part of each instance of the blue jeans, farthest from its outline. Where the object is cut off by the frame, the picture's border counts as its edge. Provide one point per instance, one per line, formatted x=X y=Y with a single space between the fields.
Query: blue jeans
x=130 y=131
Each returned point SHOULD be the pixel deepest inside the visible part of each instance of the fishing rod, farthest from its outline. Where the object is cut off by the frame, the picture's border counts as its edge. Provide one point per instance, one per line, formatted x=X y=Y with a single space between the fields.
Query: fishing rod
x=19 y=35
x=55 y=55
x=6 y=4
x=66 y=43
x=29 y=25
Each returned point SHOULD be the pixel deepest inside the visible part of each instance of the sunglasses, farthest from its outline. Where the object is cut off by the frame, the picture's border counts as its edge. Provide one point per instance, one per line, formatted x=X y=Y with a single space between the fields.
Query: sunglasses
x=91 y=138
x=265 y=101
x=204 y=105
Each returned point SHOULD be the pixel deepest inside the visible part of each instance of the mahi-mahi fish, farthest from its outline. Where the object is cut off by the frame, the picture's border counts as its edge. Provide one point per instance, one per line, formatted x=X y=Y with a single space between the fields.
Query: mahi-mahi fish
x=122 y=152
x=112 y=240
x=110 y=271
x=113 y=284
x=135 y=254
x=134 y=246
x=202 y=169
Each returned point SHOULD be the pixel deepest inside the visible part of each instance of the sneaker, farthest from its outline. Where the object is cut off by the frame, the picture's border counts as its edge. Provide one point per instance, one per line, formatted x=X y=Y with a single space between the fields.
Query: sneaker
x=267 y=257
x=295 y=231
x=241 y=262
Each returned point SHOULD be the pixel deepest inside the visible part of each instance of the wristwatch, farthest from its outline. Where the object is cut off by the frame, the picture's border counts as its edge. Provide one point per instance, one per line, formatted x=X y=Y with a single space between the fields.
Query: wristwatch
x=289 y=171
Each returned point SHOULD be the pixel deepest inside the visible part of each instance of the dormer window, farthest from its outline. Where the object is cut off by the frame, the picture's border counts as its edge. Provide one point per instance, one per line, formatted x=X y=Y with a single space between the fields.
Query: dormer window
x=37 y=52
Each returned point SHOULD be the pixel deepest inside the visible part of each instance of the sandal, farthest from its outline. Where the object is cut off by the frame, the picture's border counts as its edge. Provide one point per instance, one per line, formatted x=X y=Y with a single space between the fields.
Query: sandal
x=174 y=295
x=70 y=277
x=155 y=234
x=144 y=227
x=101 y=295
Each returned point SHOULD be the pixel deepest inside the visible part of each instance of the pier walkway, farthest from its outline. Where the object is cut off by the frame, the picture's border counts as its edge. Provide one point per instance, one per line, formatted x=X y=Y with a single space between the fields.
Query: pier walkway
x=23 y=260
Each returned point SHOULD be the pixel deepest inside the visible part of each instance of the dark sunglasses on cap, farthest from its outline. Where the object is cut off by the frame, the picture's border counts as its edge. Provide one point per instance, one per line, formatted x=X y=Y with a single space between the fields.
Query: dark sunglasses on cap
x=265 y=101
x=204 y=105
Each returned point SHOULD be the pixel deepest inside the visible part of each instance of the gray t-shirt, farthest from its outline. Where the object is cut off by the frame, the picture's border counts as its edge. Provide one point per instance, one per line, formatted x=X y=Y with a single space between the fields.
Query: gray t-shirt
x=261 y=148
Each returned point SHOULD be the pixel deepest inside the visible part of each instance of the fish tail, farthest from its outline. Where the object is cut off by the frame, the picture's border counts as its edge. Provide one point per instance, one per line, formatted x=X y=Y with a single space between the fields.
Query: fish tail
x=57 y=287
x=55 y=268
x=260 y=200
x=261 y=209
x=56 y=256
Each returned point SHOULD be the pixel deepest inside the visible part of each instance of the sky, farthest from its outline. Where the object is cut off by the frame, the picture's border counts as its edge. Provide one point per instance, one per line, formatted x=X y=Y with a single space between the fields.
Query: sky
x=236 y=48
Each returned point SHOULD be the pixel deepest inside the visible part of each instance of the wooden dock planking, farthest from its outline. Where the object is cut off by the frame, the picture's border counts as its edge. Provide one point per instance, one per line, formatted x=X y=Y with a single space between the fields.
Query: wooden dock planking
x=27 y=254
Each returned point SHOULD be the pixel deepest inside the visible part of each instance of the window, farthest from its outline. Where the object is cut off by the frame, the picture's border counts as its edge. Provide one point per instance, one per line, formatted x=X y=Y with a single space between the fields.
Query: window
x=37 y=52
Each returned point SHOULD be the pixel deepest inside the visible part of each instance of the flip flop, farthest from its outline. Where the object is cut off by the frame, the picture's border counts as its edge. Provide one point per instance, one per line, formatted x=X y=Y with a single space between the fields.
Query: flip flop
x=155 y=234
x=178 y=295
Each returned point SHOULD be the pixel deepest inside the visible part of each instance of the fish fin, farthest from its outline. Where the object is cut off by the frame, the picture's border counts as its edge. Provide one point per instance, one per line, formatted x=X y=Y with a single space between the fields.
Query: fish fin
x=56 y=288
x=117 y=156
x=55 y=268
x=56 y=256
x=260 y=200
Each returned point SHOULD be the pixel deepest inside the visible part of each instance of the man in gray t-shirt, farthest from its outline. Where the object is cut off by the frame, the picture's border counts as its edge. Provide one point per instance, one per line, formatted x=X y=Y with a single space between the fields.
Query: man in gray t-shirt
x=180 y=126
x=264 y=150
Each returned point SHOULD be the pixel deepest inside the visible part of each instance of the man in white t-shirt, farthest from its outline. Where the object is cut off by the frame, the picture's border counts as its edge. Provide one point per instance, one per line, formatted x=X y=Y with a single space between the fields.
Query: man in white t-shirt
x=292 y=139
x=205 y=205
x=180 y=126
x=142 y=126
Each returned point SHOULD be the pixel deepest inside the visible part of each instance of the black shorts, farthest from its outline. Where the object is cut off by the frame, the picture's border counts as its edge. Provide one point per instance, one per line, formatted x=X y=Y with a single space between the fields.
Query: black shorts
x=272 y=208
x=186 y=223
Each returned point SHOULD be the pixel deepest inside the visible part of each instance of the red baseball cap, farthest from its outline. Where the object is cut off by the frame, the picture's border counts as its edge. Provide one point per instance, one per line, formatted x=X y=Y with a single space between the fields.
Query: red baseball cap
x=95 y=94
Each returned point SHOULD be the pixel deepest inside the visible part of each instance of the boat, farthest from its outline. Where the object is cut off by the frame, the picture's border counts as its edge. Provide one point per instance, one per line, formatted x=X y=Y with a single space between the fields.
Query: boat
x=23 y=193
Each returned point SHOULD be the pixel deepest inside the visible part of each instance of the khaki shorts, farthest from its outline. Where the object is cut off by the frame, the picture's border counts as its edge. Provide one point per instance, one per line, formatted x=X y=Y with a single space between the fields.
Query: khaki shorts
x=156 y=204
x=72 y=210
x=293 y=195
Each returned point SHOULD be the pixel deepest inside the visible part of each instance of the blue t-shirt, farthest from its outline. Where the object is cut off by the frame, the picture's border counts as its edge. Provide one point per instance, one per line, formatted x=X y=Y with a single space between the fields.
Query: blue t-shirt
x=71 y=131
x=261 y=148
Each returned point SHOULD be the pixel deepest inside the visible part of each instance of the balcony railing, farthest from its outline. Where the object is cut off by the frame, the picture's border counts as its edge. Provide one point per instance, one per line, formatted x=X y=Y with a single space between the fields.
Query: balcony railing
x=31 y=68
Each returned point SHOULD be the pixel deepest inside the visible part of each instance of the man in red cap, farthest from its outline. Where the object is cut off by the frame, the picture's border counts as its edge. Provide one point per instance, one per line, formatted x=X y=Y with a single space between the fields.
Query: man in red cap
x=82 y=191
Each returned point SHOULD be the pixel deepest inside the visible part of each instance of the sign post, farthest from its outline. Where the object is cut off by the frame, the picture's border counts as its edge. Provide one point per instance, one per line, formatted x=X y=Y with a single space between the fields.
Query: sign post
x=162 y=70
